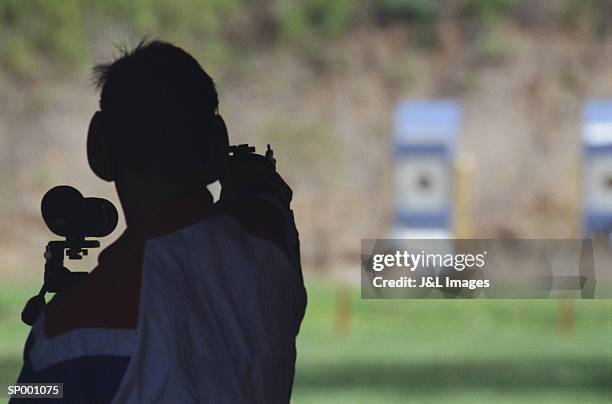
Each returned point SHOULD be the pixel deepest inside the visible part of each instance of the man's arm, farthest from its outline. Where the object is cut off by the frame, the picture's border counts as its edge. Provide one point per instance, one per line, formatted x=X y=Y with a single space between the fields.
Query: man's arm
x=84 y=378
x=259 y=199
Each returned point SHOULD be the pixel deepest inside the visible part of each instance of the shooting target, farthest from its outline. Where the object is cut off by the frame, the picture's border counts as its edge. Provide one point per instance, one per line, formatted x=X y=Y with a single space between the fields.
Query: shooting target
x=422 y=184
x=598 y=183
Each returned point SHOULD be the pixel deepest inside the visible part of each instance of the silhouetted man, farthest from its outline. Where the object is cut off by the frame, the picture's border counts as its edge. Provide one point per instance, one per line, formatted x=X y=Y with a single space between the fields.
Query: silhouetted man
x=196 y=302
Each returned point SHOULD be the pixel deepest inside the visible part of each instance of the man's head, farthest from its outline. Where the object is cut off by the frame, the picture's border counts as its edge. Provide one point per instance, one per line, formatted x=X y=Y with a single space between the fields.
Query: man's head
x=158 y=119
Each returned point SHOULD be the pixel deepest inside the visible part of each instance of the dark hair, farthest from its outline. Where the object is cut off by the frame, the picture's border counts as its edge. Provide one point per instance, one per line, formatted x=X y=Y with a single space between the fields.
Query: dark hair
x=157 y=101
x=154 y=73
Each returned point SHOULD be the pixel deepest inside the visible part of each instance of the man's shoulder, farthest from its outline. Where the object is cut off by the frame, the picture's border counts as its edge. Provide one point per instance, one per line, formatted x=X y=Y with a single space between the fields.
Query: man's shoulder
x=106 y=299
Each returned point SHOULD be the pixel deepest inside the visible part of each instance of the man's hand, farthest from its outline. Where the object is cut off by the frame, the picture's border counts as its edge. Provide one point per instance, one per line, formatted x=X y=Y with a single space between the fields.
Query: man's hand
x=249 y=177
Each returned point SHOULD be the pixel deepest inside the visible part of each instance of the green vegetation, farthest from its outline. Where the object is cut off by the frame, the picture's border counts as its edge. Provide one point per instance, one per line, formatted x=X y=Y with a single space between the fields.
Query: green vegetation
x=60 y=35
x=398 y=351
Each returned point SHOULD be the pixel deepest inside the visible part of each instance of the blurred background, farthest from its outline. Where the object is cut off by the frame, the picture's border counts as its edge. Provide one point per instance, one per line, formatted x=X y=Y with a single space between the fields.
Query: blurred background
x=321 y=81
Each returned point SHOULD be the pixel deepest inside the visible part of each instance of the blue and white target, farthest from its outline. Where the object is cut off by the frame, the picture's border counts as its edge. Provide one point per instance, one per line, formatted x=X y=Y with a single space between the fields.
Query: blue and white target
x=597 y=160
x=425 y=135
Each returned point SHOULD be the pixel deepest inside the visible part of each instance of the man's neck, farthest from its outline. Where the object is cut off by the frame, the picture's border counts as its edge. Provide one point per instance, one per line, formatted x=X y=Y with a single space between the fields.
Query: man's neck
x=139 y=200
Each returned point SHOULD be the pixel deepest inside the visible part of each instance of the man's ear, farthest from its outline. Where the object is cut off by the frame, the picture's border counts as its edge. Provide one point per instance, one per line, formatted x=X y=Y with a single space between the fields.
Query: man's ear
x=217 y=150
x=99 y=148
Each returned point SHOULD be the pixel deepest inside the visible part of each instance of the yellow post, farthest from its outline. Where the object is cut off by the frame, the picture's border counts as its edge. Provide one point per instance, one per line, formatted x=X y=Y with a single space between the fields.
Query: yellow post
x=566 y=317
x=343 y=310
x=566 y=311
x=463 y=171
x=577 y=187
